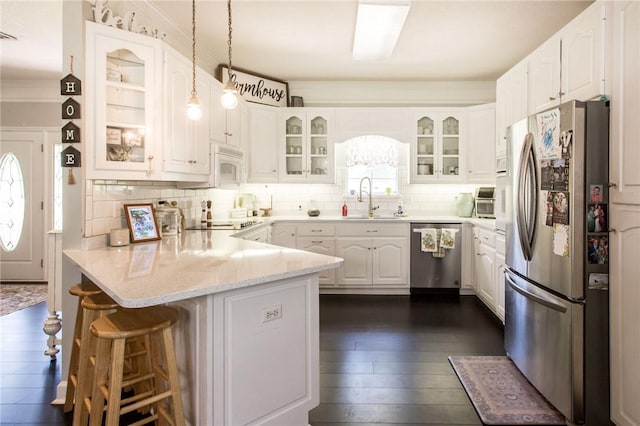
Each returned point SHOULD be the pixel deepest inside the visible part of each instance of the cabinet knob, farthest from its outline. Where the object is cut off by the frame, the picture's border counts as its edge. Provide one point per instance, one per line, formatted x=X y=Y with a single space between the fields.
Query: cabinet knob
x=551 y=98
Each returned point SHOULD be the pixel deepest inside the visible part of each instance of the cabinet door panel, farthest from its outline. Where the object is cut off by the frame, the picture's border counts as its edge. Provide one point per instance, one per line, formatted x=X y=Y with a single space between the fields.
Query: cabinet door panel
x=583 y=56
x=389 y=256
x=263 y=145
x=356 y=269
x=625 y=110
x=326 y=246
x=544 y=76
x=485 y=261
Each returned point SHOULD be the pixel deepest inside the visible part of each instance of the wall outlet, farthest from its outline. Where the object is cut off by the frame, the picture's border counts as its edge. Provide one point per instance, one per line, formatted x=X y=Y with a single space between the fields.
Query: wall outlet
x=272 y=313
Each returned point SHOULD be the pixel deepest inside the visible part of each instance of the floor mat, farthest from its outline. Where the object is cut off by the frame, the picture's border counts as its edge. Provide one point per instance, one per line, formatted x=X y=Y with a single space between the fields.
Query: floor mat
x=14 y=297
x=501 y=394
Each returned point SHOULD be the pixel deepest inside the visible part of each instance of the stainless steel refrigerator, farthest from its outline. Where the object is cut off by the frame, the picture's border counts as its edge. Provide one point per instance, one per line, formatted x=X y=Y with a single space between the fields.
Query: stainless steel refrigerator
x=556 y=279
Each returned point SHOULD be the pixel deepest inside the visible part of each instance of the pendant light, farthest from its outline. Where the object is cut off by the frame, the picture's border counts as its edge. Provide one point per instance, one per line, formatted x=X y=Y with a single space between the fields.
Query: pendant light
x=229 y=100
x=194 y=112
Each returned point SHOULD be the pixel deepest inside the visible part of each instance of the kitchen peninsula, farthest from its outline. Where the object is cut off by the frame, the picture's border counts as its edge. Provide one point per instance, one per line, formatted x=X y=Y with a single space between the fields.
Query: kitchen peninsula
x=247 y=341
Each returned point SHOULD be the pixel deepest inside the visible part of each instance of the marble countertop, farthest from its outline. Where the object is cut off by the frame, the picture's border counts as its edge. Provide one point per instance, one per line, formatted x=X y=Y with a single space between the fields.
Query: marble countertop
x=191 y=264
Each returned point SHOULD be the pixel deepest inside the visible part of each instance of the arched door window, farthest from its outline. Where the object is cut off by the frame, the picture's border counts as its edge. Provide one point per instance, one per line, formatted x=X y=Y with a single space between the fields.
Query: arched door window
x=12 y=202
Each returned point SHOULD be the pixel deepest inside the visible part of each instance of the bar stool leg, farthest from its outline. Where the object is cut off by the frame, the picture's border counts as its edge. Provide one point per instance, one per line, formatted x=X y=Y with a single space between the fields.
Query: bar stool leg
x=174 y=379
x=72 y=380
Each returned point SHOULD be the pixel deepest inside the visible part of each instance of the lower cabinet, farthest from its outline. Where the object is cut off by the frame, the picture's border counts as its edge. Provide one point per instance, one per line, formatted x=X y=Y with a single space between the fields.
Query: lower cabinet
x=488 y=261
x=260 y=234
x=376 y=255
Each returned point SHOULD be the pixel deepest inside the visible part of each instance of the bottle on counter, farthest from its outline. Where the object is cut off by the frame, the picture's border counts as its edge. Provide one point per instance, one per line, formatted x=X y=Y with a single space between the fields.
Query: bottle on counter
x=209 y=215
x=345 y=209
x=203 y=216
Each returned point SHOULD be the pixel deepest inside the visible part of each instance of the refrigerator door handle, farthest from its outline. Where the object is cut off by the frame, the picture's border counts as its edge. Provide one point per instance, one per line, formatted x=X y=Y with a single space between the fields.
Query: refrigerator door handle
x=525 y=196
x=532 y=193
x=535 y=297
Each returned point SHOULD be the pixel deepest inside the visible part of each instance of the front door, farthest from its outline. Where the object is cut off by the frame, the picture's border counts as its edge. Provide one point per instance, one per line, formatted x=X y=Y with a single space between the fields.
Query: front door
x=21 y=197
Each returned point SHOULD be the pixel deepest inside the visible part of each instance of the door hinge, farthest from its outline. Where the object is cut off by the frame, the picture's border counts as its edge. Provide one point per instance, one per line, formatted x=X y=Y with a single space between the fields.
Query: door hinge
x=42 y=263
x=41 y=147
x=41 y=205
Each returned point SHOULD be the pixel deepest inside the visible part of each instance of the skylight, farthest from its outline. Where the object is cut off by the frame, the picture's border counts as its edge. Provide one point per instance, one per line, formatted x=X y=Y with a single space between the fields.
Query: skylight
x=377 y=28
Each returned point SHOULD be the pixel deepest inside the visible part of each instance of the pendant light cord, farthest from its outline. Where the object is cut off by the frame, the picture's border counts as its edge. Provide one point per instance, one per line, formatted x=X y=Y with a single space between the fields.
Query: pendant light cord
x=193 y=48
x=229 y=40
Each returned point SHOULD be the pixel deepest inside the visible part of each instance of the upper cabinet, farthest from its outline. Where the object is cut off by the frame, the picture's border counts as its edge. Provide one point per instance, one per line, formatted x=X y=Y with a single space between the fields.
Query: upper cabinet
x=225 y=123
x=263 y=144
x=306 y=146
x=437 y=145
x=480 y=144
x=123 y=81
x=625 y=126
x=571 y=64
x=186 y=141
x=511 y=104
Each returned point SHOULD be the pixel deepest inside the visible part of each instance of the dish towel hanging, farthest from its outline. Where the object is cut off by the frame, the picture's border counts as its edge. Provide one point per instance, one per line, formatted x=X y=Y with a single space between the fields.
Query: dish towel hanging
x=448 y=238
x=429 y=240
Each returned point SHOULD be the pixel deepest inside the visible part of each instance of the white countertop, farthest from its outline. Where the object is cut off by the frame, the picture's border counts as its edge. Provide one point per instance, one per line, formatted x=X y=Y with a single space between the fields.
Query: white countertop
x=190 y=265
x=485 y=223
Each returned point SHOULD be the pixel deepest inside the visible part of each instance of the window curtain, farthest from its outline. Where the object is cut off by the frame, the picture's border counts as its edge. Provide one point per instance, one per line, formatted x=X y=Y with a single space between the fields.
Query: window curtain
x=371 y=151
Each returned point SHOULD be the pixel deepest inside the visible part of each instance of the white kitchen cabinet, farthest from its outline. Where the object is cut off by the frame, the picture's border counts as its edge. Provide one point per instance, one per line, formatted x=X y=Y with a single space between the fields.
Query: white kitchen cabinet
x=263 y=144
x=480 y=142
x=123 y=85
x=283 y=234
x=306 y=146
x=624 y=211
x=322 y=245
x=375 y=255
x=437 y=145
x=225 y=123
x=625 y=110
x=571 y=64
x=393 y=123
x=583 y=54
x=511 y=105
x=544 y=76
x=498 y=275
x=484 y=266
x=624 y=270
x=259 y=234
x=186 y=141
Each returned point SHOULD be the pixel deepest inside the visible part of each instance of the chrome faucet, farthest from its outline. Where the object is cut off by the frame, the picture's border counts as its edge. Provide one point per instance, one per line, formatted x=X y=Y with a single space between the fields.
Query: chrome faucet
x=371 y=208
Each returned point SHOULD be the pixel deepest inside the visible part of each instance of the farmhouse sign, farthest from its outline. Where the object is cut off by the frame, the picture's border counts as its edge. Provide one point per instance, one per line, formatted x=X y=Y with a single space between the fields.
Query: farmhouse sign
x=256 y=88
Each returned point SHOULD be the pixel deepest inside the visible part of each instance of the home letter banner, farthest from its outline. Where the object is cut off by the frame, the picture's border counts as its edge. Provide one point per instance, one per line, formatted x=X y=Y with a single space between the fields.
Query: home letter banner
x=257 y=88
x=70 y=86
x=70 y=157
x=70 y=109
x=70 y=133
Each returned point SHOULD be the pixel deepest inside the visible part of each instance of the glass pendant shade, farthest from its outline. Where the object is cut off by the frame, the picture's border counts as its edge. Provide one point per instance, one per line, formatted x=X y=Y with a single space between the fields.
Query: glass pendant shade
x=229 y=100
x=194 y=112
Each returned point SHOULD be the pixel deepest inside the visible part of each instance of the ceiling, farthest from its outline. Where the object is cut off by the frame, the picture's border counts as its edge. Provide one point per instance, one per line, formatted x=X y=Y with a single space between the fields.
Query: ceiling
x=310 y=40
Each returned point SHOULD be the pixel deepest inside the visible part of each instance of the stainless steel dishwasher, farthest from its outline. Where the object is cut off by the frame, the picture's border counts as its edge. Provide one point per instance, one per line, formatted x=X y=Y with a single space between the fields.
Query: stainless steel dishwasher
x=439 y=271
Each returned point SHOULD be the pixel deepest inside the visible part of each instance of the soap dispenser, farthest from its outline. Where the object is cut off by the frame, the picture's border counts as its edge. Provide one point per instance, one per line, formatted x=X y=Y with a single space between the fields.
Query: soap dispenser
x=345 y=209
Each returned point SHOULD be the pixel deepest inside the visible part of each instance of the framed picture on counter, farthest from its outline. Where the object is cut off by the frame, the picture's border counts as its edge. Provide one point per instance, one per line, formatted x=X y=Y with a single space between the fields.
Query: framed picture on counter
x=141 y=221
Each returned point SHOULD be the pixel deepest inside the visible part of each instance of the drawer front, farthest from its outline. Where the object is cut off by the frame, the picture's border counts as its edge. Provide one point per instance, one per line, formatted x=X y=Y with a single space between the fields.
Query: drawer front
x=500 y=244
x=373 y=229
x=314 y=229
x=486 y=236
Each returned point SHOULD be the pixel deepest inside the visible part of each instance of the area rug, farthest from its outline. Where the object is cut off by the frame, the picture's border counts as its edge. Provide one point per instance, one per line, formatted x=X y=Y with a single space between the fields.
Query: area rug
x=501 y=394
x=14 y=297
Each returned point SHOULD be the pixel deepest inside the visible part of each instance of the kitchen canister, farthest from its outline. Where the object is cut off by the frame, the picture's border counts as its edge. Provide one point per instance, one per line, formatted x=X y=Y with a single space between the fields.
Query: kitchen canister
x=464 y=204
x=119 y=237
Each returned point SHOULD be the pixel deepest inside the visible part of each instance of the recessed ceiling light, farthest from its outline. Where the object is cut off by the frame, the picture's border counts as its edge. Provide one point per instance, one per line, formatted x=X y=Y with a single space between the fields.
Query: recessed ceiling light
x=377 y=28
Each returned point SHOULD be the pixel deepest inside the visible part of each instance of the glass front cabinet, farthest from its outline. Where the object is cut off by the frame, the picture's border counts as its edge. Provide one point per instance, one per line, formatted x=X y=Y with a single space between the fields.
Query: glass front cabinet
x=306 y=147
x=122 y=75
x=437 y=145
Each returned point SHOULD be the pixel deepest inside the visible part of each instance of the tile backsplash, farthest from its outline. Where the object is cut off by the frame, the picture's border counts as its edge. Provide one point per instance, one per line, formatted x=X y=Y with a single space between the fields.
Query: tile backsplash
x=105 y=200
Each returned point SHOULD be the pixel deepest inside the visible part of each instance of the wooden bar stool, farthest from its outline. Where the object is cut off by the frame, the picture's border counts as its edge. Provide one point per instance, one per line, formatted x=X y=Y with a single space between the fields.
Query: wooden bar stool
x=93 y=307
x=158 y=369
x=81 y=291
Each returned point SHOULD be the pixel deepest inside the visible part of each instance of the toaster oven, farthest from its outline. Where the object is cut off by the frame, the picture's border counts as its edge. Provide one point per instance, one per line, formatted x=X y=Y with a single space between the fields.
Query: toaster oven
x=485 y=202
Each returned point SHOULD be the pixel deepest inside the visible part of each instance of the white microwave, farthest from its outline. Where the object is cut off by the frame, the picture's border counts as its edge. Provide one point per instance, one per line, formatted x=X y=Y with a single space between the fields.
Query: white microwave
x=227 y=166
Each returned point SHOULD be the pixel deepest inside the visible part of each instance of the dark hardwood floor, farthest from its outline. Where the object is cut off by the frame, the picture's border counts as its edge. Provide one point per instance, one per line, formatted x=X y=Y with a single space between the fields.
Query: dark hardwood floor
x=383 y=361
